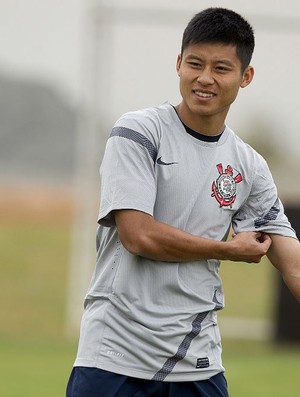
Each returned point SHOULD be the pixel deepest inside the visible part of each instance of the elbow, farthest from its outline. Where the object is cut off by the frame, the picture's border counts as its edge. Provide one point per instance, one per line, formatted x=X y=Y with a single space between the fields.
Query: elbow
x=135 y=244
x=135 y=231
x=131 y=247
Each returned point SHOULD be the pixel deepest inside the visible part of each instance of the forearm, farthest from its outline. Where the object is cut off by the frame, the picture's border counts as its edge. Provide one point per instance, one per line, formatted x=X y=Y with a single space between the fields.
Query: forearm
x=166 y=243
x=142 y=235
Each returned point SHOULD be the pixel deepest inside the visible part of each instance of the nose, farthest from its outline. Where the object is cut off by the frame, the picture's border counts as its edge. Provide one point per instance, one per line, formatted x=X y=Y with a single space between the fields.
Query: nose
x=205 y=77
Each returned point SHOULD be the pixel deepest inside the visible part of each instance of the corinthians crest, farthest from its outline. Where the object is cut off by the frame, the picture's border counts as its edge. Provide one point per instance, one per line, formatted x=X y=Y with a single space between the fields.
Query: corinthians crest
x=224 y=188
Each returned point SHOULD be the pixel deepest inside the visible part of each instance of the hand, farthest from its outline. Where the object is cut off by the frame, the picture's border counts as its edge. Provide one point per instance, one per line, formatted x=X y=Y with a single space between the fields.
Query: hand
x=249 y=247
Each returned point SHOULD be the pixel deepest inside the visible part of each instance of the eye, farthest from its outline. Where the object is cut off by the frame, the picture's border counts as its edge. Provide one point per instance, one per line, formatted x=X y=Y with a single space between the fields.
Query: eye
x=223 y=69
x=195 y=65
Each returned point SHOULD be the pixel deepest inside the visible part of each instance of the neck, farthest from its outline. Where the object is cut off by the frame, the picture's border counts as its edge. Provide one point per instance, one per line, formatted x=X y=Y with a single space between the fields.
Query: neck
x=205 y=124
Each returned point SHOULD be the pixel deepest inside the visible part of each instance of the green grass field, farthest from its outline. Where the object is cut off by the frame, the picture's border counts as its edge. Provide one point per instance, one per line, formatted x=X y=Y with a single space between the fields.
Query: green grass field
x=36 y=356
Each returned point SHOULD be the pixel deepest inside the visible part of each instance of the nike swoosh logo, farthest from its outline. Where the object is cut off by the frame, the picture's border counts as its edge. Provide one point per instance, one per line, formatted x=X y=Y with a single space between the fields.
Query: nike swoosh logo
x=159 y=161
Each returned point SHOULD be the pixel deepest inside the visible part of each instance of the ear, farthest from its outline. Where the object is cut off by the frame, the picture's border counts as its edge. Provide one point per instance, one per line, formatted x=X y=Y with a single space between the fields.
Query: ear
x=247 y=76
x=178 y=63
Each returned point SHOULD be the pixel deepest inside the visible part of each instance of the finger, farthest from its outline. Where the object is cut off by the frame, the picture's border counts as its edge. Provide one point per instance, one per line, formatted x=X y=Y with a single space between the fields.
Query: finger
x=266 y=241
x=258 y=235
x=265 y=237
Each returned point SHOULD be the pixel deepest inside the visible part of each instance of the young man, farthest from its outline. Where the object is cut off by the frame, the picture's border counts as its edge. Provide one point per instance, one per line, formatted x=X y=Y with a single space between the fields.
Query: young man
x=174 y=180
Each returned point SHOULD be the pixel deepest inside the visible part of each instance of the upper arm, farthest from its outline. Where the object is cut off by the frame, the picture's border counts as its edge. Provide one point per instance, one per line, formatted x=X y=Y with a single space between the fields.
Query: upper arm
x=128 y=179
x=284 y=254
x=262 y=210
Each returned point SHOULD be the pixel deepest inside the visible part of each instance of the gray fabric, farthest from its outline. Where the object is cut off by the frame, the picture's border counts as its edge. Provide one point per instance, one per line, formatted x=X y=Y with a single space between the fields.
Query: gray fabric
x=151 y=319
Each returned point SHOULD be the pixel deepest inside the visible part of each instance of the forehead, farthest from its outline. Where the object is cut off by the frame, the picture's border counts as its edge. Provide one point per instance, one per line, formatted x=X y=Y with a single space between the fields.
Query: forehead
x=213 y=52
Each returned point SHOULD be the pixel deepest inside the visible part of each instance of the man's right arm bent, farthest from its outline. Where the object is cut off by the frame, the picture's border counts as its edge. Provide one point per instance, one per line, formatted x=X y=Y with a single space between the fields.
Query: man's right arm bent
x=142 y=235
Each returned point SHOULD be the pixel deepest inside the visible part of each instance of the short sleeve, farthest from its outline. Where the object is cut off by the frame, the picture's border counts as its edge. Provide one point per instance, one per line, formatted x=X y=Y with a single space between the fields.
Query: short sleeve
x=263 y=210
x=128 y=179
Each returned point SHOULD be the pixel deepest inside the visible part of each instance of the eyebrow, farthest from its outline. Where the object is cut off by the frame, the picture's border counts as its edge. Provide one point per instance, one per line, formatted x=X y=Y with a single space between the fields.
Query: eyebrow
x=193 y=57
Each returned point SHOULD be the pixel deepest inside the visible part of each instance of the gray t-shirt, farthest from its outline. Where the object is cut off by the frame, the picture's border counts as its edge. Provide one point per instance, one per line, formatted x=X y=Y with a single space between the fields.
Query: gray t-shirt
x=157 y=320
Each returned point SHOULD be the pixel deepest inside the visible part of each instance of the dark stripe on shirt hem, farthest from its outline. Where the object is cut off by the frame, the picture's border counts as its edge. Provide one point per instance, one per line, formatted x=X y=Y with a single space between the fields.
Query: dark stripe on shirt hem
x=169 y=365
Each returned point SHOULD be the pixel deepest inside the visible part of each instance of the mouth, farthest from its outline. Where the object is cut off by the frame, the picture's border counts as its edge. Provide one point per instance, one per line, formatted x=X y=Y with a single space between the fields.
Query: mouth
x=202 y=94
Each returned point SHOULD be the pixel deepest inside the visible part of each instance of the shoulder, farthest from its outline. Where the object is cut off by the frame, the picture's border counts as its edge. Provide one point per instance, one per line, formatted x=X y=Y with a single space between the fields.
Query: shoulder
x=143 y=126
x=248 y=153
x=252 y=164
x=145 y=119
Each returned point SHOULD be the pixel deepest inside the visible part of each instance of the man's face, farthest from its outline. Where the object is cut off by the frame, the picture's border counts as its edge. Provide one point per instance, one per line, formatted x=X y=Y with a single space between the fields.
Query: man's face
x=210 y=78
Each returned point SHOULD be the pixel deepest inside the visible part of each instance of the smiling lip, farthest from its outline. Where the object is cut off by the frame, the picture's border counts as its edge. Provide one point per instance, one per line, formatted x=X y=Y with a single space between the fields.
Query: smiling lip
x=203 y=94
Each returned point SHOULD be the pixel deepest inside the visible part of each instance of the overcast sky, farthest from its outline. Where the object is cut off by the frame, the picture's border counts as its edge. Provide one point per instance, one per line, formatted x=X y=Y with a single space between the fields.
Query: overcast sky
x=47 y=40
x=44 y=38
x=134 y=62
x=41 y=39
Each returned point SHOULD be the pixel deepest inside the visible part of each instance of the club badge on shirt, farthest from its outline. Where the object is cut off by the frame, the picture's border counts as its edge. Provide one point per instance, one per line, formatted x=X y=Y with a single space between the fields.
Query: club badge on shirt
x=224 y=188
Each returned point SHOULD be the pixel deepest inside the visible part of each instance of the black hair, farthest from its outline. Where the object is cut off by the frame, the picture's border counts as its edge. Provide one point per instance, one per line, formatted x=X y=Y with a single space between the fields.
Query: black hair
x=220 y=25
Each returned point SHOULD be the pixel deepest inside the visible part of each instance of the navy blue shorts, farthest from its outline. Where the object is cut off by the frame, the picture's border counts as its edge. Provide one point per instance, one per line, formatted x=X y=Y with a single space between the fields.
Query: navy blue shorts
x=94 y=382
